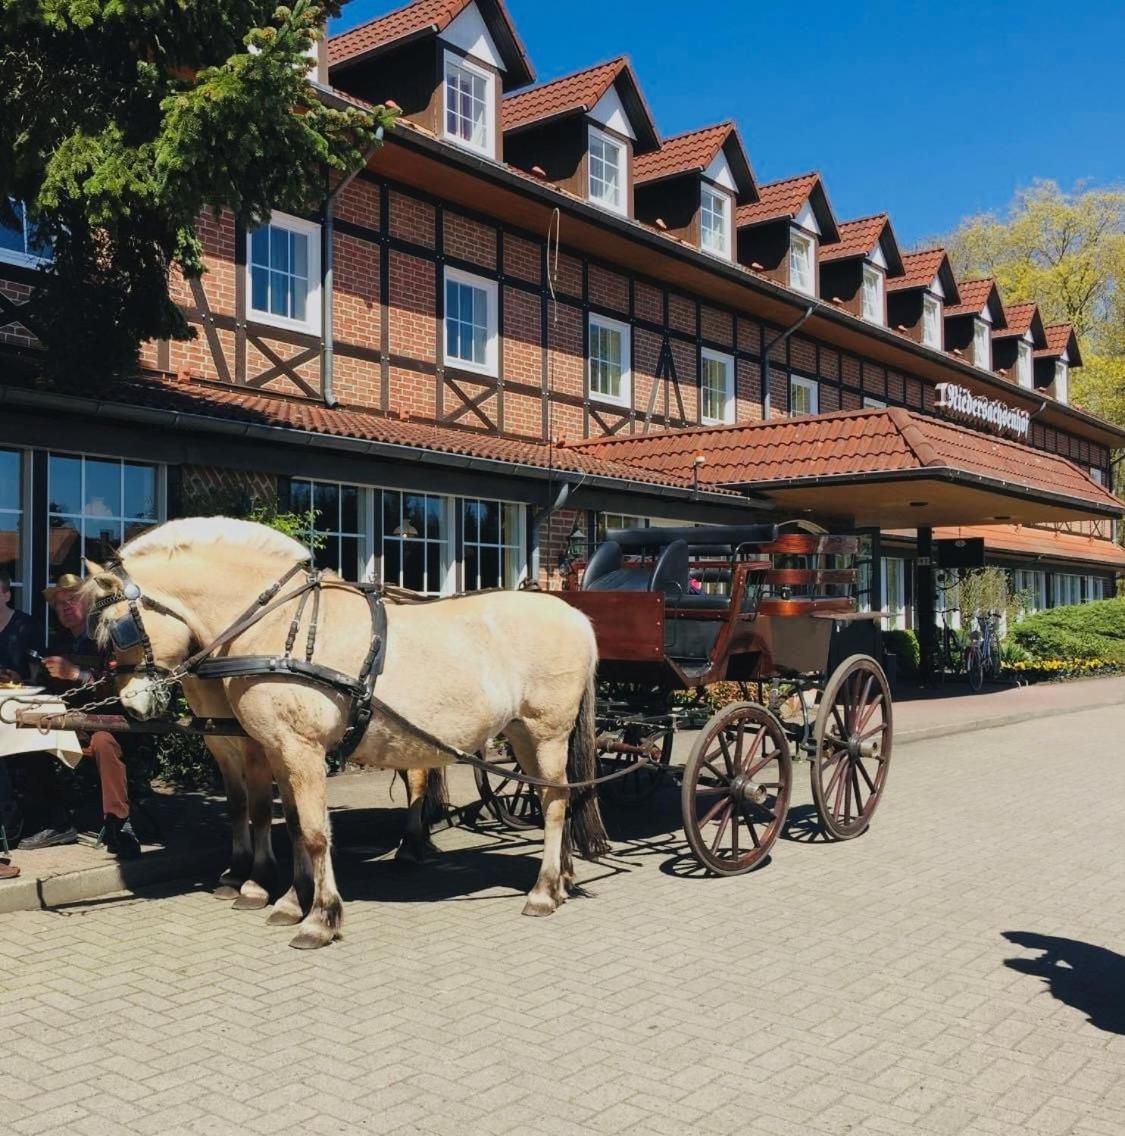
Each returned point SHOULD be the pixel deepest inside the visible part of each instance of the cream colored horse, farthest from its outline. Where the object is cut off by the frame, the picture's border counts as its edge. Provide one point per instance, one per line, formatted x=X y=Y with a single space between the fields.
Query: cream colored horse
x=520 y=664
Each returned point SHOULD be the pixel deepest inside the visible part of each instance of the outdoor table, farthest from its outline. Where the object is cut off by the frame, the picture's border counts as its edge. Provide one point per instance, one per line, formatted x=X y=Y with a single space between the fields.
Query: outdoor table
x=63 y=744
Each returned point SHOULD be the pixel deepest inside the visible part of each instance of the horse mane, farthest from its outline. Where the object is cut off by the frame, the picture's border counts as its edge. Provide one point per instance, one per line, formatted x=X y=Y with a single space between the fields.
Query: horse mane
x=190 y=532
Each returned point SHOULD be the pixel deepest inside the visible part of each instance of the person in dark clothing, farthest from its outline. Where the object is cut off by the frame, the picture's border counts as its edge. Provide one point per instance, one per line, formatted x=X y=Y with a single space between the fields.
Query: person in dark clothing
x=74 y=658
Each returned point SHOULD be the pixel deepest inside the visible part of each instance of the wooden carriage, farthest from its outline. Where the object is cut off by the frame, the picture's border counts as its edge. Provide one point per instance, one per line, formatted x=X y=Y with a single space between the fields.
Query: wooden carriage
x=676 y=610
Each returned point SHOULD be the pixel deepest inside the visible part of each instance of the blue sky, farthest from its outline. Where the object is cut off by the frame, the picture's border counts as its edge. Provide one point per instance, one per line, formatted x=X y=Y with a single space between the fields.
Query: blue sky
x=927 y=112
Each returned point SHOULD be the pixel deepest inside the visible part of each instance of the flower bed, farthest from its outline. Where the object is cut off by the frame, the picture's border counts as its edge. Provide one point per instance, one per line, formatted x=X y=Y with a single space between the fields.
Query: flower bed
x=1053 y=670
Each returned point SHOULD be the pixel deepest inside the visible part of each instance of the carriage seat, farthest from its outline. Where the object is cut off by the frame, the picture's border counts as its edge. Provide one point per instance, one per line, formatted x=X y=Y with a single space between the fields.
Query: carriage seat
x=606 y=573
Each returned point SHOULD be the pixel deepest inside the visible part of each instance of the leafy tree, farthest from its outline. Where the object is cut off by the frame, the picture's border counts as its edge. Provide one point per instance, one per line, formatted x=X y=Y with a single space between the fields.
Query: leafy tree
x=123 y=121
x=1066 y=251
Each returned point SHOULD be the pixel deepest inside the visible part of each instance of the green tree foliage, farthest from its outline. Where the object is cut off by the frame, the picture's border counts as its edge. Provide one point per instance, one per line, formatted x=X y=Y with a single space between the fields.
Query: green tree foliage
x=1065 y=251
x=1080 y=631
x=123 y=121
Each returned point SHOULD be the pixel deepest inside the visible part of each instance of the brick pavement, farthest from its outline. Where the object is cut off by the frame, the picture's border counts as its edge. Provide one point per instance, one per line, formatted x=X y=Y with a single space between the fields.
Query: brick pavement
x=857 y=988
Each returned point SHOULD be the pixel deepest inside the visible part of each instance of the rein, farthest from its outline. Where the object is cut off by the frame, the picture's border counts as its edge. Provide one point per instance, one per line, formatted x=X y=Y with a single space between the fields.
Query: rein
x=360 y=690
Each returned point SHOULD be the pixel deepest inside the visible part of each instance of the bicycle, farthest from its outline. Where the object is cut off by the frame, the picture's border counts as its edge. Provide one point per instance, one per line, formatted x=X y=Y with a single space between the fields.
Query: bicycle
x=982 y=657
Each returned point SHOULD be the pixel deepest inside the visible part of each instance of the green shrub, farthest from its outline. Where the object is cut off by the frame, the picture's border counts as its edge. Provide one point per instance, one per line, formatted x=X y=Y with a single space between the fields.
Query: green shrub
x=1080 y=631
x=904 y=644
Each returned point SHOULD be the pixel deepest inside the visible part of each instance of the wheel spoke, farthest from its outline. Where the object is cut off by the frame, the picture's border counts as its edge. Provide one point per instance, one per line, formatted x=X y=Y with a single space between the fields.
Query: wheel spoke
x=751 y=829
x=880 y=728
x=840 y=767
x=734 y=834
x=726 y=755
x=872 y=706
x=759 y=740
x=866 y=777
x=724 y=778
x=722 y=829
x=855 y=788
x=839 y=721
x=710 y=815
x=848 y=795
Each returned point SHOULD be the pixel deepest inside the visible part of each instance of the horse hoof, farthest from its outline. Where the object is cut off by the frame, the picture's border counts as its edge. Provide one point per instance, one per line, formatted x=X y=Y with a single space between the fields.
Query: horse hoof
x=539 y=907
x=225 y=891
x=251 y=902
x=311 y=938
x=282 y=917
x=417 y=854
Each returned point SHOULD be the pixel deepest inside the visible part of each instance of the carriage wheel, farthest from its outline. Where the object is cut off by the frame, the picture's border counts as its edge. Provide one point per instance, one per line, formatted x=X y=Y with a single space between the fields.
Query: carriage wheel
x=617 y=748
x=509 y=802
x=853 y=747
x=736 y=789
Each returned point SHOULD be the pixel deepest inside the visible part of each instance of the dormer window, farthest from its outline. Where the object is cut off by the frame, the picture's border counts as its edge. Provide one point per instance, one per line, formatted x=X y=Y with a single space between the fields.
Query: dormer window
x=982 y=345
x=468 y=105
x=802 y=276
x=18 y=242
x=714 y=222
x=1023 y=364
x=607 y=171
x=1062 y=377
x=872 y=294
x=931 y=322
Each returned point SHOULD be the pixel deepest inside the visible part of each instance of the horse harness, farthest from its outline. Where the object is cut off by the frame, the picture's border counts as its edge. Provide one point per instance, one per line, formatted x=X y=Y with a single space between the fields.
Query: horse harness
x=128 y=631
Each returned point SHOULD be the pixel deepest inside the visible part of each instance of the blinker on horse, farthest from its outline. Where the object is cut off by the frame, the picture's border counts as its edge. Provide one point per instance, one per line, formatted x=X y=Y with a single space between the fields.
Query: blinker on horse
x=517 y=664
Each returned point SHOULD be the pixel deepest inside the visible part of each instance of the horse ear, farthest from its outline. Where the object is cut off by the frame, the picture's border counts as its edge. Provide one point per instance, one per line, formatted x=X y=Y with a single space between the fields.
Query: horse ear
x=93 y=568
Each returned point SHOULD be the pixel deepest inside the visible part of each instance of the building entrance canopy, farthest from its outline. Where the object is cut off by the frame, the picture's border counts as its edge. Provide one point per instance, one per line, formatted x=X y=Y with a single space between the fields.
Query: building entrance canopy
x=883 y=468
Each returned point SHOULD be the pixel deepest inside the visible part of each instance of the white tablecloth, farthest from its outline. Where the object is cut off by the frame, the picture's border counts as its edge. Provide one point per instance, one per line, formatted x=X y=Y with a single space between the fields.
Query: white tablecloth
x=14 y=740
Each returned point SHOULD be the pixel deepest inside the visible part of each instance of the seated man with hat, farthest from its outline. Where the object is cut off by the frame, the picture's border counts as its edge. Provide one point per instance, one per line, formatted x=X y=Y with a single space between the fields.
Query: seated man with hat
x=72 y=659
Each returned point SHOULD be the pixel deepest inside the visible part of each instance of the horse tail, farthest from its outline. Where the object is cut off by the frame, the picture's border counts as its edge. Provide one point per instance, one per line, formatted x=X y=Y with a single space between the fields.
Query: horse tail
x=585 y=830
x=436 y=800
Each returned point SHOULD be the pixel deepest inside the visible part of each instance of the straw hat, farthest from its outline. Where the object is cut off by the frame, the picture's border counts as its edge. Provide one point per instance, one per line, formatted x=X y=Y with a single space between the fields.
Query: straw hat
x=67 y=582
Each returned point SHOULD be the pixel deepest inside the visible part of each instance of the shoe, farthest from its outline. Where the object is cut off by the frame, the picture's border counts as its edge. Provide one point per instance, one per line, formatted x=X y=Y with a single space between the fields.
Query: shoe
x=48 y=838
x=120 y=839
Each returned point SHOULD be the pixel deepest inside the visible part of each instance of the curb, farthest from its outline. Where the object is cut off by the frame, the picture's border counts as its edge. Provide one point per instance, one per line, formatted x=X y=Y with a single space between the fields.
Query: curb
x=927 y=733
x=32 y=894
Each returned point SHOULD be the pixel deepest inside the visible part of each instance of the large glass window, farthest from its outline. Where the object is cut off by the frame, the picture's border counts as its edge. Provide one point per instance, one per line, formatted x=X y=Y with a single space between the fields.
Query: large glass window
x=468 y=104
x=18 y=241
x=607 y=171
x=339 y=522
x=931 y=322
x=894 y=593
x=714 y=221
x=872 y=294
x=417 y=547
x=1068 y=589
x=493 y=544
x=804 y=396
x=982 y=345
x=284 y=266
x=11 y=521
x=717 y=387
x=94 y=506
x=470 y=321
x=609 y=360
x=1031 y=585
x=801 y=270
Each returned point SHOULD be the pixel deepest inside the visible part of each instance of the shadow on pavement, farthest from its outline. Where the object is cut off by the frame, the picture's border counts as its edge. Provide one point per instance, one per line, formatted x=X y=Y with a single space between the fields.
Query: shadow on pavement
x=1089 y=978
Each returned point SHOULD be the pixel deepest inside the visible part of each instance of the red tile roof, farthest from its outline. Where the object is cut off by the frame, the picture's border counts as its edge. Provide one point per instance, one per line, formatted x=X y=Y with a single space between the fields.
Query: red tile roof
x=919 y=269
x=857 y=238
x=778 y=199
x=975 y=294
x=848 y=443
x=571 y=94
x=1020 y=317
x=420 y=18
x=1060 y=337
x=212 y=400
x=685 y=153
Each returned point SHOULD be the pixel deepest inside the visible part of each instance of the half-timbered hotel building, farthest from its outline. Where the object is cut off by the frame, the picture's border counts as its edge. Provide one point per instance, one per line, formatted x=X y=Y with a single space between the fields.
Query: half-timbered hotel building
x=530 y=316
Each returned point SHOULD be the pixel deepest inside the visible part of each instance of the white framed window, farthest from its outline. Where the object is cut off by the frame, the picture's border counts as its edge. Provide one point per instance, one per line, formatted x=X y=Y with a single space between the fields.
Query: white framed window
x=893 y=598
x=873 y=294
x=1068 y=589
x=1097 y=474
x=469 y=104
x=1062 y=381
x=13 y=547
x=283 y=269
x=716 y=387
x=931 y=322
x=802 y=270
x=418 y=542
x=982 y=344
x=804 y=396
x=18 y=242
x=94 y=505
x=494 y=545
x=610 y=377
x=870 y=403
x=1031 y=584
x=608 y=176
x=471 y=339
x=1095 y=588
x=342 y=524
x=1023 y=364
x=714 y=222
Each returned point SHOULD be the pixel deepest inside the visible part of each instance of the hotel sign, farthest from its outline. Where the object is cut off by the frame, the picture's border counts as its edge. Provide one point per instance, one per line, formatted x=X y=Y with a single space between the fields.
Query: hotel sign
x=959 y=402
